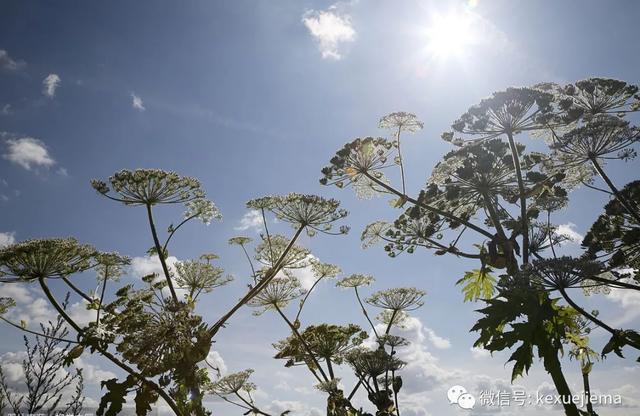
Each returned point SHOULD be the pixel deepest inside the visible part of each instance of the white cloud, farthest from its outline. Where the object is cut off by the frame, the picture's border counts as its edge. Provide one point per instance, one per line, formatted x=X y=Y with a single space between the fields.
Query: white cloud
x=330 y=29
x=50 y=84
x=137 y=103
x=143 y=266
x=8 y=63
x=6 y=239
x=629 y=300
x=81 y=315
x=28 y=152
x=252 y=219
x=479 y=353
x=568 y=230
x=214 y=359
x=7 y=109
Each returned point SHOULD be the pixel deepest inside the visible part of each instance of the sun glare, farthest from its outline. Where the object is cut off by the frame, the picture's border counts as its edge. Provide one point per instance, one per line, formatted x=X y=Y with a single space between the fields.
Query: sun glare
x=450 y=35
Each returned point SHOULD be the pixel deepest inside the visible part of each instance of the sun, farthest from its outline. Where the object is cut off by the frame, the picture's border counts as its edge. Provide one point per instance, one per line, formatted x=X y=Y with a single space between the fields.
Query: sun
x=450 y=35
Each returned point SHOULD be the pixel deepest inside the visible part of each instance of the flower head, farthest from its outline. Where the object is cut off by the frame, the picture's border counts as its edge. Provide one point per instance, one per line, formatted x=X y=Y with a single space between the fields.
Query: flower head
x=311 y=211
x=269 y=251
x=401 y=121
x=239 y=241
x=506 y=112
x=49 y=258
x=373 y=363
x=562 y=272
x=150 y=187
x=593 y=96
x=397 y=299
x=360 y=164
x=321 y=270
x=355 y=280
x=277 y=294
x=231 y=383
x=200 y=276
x=203 y=209
x=602 y=137
x=111 y=265
x=325 y=341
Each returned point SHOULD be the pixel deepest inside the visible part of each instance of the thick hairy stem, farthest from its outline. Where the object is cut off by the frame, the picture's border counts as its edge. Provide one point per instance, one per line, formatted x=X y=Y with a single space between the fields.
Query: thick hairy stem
x=160 y=253
x=304 y=344
x=595 y=320
x=428 y=207
x=106 y=353
x=625 y=203
x=493 y=214
x=254 y=291
x=587 y=393
x=553 y=367
x=523 y=198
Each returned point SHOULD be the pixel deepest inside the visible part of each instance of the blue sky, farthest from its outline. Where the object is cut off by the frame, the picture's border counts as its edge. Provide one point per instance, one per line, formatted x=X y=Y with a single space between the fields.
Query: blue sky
x=253 y=98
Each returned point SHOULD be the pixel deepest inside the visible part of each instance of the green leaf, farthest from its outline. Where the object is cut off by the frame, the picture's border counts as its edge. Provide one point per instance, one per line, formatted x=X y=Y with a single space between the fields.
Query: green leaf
x=478 y=284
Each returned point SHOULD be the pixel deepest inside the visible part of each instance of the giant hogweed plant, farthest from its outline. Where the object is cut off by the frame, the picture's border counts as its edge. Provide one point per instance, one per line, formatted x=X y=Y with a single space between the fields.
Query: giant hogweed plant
x=325 y=350
x=491 y=201
x=153 y=333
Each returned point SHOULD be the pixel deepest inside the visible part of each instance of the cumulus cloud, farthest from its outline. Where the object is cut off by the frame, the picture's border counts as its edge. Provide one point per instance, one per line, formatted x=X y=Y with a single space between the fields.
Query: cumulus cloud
x=331 y=29
x=628 y=300
x=137 y=103
x=6 y=239
x=28 y=152
x=479 y=353
x=143 y=266
x=50 y=84
x=568 y=230
x=250 y=220
x=8 y=63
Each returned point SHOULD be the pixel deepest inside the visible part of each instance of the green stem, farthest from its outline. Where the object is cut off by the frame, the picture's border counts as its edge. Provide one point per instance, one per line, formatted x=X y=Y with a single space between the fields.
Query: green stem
x=255 y=290
x=75 y=289
x=596 y=320
x=37 y=333
x=523 y=198
x=428 y=207
x=304 y=344
x=404 y=191
x=364 y=311
x=625 y=203
x=160 y=253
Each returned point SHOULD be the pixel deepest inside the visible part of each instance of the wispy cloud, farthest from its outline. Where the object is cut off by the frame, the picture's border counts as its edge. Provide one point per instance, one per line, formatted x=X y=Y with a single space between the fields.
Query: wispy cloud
x=136 y=102
x=28 y=153
x=250 y=220
x=8 y=63
x=7 y=109
x=331 y=29
x=7 y=238
x=50 y=84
